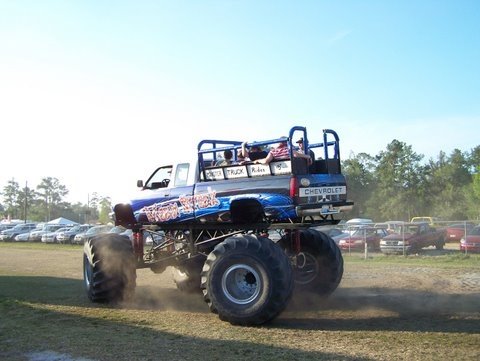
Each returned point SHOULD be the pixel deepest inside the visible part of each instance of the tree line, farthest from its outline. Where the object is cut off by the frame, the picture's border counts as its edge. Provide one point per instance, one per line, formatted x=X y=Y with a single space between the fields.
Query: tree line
x=395 y=184
x=46 y=202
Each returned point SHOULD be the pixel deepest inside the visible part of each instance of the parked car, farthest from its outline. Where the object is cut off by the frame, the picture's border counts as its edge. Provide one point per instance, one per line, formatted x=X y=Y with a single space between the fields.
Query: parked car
x=5 y=226
x=68 y=235
x=81 y=238
x=22 y=237
x=357 y=221
x=457 y=231
x=390 y=226
x=432 y=221
x=471 y=243
x=339 y=236
x=25 y=237
x=9 y=234
x=51 y=237
x=36 y=236
x=117 y=229
x=331 y=231
x=352 y=225
x=356 y=241
x=412 y=238
x=149 y=238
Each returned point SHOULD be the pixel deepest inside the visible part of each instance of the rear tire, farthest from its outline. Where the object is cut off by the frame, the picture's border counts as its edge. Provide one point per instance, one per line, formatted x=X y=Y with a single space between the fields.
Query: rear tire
x=109 y=269
x=319 y=265
x=188 y=276
x=247 y=280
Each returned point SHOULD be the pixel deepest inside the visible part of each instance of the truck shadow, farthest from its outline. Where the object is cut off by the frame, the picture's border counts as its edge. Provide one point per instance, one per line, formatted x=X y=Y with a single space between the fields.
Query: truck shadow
x=91 y=337
x=383 y=309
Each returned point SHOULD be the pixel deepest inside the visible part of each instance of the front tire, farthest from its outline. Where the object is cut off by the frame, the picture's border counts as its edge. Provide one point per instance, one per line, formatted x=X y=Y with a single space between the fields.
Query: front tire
x=319 y=264
x=109 y=269
x=247 y=280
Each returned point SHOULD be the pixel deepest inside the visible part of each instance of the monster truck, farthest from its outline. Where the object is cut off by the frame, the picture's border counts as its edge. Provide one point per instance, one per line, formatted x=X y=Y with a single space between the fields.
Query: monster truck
x=411 y=237
x=241 y=234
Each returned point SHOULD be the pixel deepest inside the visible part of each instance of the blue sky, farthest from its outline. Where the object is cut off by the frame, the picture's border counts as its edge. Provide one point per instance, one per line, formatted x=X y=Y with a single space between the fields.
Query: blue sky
x=99 y=93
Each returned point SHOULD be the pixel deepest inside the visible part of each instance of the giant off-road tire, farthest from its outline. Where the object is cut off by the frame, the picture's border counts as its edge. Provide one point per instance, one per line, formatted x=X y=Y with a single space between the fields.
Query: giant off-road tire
x=187 y=277
x=109 y=270
x=318 y=267
x=247 y=280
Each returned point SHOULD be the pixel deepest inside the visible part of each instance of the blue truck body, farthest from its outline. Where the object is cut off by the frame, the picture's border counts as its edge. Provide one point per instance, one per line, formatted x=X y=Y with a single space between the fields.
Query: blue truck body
x=283 y=191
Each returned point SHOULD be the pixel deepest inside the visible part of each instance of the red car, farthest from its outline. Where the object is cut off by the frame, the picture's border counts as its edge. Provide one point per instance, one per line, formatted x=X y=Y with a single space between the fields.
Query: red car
x=357 y=240
x=471 y=243
x=457 y=231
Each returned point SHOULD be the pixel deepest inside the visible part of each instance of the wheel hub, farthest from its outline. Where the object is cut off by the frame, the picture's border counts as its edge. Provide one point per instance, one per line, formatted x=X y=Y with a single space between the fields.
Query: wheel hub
x=241 y=284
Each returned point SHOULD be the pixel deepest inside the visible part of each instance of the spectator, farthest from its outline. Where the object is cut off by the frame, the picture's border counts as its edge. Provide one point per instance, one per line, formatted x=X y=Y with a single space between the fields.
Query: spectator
x=255 y=152
x=301 y=149
x=227 y=159
x=281 y=152
x=241 y=159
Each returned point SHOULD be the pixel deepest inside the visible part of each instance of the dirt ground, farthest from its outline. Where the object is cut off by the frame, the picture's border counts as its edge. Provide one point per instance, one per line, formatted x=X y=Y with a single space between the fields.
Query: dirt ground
x=410 y=288
x=372 y=299
x=379 y=288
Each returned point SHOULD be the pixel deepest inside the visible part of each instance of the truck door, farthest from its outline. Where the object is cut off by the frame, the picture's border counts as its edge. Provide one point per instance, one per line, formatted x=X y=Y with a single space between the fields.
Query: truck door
x=423 y=235
x=166 y=195
x=181 y=191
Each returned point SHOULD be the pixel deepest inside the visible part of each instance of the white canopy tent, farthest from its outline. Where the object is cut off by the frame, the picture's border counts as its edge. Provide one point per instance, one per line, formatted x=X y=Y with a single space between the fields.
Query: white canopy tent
x=61 y=220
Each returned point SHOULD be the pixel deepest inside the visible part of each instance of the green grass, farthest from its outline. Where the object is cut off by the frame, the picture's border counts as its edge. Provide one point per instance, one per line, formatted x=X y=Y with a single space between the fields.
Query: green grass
x=40 y=246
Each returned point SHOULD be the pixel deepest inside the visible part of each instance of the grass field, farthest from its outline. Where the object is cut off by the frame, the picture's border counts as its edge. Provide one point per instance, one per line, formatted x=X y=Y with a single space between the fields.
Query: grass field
x=424 y=307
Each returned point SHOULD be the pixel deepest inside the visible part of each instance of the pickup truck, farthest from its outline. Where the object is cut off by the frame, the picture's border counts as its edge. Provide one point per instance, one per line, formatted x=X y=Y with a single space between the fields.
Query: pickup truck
x=241 y=234
x=433 y=221
x=411 y=237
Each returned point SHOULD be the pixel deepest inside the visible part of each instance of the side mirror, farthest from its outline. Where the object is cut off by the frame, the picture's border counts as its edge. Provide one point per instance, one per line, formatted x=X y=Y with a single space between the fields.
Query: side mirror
x=140 y=183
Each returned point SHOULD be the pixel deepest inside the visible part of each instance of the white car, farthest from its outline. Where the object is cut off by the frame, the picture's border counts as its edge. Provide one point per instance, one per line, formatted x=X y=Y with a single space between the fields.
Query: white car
x=36 y=236
x=51 y=237
x=22 y=237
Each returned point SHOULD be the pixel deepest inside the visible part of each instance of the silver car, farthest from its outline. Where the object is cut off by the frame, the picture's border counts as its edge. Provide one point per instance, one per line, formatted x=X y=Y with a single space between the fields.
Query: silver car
x=9 y=234
x=81 y=238
x=69 y=235
x=51 y=237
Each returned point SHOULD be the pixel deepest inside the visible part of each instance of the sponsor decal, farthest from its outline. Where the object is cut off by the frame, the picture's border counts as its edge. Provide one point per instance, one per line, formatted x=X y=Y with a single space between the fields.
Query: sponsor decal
x=162 y=212
x=235 y=172
x=322 y=191
x=214 y=174
x=258 y=170
x=279 y=168
x=205 y=200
